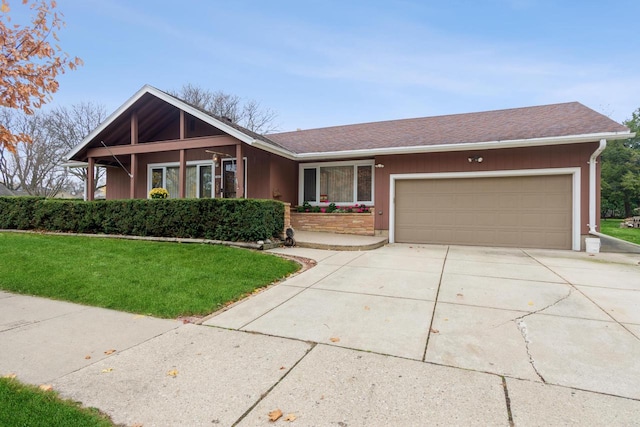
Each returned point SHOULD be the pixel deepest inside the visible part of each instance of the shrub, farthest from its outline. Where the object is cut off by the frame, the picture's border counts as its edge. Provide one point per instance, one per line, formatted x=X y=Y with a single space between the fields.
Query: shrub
x=217 y=219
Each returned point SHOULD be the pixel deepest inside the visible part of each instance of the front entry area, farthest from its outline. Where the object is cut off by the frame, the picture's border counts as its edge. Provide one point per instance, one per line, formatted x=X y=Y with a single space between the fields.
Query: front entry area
x=508 y=211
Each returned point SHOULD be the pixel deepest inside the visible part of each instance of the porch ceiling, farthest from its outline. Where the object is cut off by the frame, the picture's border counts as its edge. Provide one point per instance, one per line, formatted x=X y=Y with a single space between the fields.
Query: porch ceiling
x=157 y=121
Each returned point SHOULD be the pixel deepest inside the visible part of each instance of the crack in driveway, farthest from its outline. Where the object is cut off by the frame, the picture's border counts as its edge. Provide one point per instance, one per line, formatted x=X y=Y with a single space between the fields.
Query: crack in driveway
x=522 y=328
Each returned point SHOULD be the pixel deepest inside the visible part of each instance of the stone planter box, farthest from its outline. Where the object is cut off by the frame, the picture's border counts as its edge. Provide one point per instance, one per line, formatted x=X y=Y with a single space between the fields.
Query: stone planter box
x=343 y=223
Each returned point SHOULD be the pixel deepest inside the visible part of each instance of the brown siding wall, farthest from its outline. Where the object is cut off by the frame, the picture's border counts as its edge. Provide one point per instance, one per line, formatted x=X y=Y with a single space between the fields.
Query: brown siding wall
x=559 y=156
x=117 y=184
x=284 y=179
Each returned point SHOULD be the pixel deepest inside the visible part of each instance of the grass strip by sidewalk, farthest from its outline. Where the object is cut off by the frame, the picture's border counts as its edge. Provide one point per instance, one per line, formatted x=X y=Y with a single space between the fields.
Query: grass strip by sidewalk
x=611 y=227
x=26 y=405
x=153 y=278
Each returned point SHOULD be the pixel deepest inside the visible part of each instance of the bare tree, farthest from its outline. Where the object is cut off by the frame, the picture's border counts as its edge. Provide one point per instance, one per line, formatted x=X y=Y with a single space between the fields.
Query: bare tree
x=248 y=114
x=70 y=125
x=34 y=167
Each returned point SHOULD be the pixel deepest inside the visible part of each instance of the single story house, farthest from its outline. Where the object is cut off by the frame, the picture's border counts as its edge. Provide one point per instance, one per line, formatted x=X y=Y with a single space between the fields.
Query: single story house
x=523 y=177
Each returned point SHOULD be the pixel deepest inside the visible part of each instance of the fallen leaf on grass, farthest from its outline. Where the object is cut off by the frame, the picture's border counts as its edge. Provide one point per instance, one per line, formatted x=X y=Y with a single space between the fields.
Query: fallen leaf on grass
x=290 y=417
x=109 y=352
x=334 y=339
x=107 y=370
x=275 y=415
x=434 y=331
x=46 y=387
x=9 y=376
x=173 y=373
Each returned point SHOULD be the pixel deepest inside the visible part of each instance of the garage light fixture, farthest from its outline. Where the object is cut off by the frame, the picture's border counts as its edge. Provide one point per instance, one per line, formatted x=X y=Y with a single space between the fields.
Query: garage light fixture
x=477 y=159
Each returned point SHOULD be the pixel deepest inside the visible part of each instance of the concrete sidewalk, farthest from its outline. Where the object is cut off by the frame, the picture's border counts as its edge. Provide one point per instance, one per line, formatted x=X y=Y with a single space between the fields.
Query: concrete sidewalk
x=403 y=335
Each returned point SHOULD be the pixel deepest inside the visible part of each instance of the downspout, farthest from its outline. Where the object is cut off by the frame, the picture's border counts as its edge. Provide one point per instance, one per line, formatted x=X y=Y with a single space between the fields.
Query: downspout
x=592 y=186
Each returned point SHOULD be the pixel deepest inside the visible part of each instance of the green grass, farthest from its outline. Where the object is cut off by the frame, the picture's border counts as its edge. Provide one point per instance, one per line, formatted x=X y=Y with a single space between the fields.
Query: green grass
x=611 y=227
x=156 y=278
x=25 y=405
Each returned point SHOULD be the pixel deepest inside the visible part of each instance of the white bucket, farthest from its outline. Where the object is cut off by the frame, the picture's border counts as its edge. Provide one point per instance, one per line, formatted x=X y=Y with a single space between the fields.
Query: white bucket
x=592 y=245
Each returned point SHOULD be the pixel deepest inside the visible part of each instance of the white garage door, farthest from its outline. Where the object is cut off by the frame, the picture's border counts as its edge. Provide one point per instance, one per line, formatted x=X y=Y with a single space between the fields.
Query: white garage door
x=521 y=211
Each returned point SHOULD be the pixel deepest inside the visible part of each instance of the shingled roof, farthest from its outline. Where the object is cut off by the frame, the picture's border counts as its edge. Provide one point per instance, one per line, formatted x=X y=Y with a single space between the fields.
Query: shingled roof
x=545 y=121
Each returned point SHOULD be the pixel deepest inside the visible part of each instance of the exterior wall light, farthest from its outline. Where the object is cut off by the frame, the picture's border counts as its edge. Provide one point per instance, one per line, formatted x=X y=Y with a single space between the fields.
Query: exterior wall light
x=379 y=166
x=477 y=159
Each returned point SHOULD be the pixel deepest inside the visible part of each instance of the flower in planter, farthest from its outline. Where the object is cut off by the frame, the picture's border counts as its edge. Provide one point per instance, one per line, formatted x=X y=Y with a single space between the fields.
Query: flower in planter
x=158 y=193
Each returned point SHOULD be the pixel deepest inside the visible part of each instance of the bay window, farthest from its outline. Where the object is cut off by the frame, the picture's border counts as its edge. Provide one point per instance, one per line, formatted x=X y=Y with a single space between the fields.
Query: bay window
x=337 y=182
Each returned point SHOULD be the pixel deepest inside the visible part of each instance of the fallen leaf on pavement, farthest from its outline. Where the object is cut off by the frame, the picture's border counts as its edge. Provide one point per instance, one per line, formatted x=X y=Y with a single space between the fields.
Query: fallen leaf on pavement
x=109 y=352
x=290 y=417
x=459 y=295
x=46 y=387
x=107 y=370
x=334 y=339
x=530 y=302
x=366 y=307
x=282 y=368
x=137 y=425
x=10 y=376
x=87 y=357
x=139 y=316
x=173 y=373
x=434 y=331
x=275 y=414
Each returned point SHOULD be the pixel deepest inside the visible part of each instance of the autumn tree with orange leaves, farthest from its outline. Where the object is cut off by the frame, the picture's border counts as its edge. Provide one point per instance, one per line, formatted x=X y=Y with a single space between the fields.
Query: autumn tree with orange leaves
x=29 y=63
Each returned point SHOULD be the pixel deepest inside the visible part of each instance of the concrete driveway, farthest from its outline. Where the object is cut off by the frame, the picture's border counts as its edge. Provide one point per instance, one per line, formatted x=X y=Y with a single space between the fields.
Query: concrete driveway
x=403 y=335
x=547 y=317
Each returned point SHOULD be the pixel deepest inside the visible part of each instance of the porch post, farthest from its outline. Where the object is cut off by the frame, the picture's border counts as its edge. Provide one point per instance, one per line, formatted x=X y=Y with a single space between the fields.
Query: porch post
x=239 y=172
x=183 y=174
x=90 y=178
x=134 y=176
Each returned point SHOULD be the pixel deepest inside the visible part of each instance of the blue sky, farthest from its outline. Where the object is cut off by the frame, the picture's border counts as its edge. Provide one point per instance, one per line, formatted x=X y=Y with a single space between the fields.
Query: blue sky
x=324 y=63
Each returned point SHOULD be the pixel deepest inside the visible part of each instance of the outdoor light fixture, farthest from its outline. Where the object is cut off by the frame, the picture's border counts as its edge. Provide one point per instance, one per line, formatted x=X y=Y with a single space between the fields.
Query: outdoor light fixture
x=477 y=159
x=216 y=156
x=379 y=166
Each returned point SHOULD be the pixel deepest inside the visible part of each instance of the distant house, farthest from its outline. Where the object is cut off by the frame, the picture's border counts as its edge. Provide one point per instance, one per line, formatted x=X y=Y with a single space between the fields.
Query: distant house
x=524 y=177
x=4 y=191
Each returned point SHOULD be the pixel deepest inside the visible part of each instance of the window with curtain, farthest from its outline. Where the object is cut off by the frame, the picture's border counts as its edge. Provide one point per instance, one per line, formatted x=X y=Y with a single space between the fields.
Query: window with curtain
x=337 y=182
x=199 y=183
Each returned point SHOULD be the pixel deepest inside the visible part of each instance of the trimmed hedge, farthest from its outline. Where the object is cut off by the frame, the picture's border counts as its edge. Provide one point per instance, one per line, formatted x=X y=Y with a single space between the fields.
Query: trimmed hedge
x=244 y=220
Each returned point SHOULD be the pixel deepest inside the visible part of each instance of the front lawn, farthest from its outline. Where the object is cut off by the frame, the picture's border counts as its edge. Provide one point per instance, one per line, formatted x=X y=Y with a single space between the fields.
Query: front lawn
x=155 y=278
x=611 y=227
x=25 y=405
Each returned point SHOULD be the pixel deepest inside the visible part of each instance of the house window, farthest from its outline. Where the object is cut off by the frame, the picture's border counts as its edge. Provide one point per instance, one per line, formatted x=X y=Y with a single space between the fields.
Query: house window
x=337 y=182
x=199 y=182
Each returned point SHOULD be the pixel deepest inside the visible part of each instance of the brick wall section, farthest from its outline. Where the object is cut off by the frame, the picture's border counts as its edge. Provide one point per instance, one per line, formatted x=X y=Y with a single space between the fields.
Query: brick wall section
x=342 y=223
x=287 y=218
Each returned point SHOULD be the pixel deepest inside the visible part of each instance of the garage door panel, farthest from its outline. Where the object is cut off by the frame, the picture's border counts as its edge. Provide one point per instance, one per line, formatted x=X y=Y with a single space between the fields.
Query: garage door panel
x=527 y=211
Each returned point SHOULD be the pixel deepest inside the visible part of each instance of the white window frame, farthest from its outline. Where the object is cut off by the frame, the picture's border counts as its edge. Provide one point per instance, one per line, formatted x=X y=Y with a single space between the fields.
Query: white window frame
x=196 y=163
x=317 y=166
